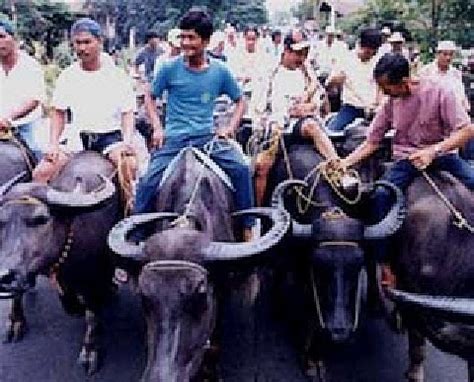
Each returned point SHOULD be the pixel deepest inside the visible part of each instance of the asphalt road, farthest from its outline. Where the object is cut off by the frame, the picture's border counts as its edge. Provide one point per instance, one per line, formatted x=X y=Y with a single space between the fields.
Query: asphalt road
x=49 y=350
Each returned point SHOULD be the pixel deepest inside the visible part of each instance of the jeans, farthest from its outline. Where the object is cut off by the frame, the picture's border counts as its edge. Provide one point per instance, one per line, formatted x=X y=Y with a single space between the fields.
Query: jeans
x=345 y=116
x=402 y=174
x=27 y=134
x=224 y=154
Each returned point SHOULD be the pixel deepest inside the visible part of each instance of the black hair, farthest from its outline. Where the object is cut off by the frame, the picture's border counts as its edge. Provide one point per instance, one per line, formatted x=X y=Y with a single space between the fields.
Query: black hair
x=370 y=38
x=394 y=66
x=276 y=33
x=199 y=20
x=251 y=28
x=151 y=34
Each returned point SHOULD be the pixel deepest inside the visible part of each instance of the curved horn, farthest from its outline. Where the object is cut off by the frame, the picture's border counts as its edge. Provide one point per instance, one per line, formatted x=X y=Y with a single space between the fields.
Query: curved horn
x=78 y=199
x=394 y=218
x=278 y=194
x=9 y=184
x=221 y=251
x=450 y=308
x=117 y=239
x=297 y=229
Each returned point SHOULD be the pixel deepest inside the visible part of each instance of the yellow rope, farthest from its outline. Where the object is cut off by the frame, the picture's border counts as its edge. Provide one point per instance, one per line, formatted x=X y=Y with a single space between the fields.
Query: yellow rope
x=460 y=221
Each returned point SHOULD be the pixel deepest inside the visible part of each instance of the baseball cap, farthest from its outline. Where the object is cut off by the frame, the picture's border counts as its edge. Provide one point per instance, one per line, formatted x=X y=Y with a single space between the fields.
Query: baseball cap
x=446 y=45
x=296 y=40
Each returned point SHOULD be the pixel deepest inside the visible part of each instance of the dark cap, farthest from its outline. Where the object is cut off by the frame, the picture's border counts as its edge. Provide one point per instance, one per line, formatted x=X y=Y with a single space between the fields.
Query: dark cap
x=296 y=40
x=86 y=25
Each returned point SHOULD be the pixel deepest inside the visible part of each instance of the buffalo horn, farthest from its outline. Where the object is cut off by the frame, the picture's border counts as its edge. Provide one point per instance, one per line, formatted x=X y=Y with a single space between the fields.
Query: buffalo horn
x=297 y=229
x=222 y=251
x=394 y=218
x=117 y=239
x=79 y=199
x=4 y=188
x=454 y=309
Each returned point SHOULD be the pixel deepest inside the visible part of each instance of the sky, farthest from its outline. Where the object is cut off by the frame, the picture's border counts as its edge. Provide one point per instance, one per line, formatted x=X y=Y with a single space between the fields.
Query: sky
x=280 y=5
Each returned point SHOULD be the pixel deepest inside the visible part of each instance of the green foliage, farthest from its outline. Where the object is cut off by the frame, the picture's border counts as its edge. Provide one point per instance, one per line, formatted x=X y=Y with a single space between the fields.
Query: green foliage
x=39 y=20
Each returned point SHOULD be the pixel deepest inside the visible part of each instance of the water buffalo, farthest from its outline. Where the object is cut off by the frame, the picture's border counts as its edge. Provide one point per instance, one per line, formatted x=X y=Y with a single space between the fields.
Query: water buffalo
x=330 y=246
x=434 y=264
x=182 y=262
x=60 y=231
x=15 y=158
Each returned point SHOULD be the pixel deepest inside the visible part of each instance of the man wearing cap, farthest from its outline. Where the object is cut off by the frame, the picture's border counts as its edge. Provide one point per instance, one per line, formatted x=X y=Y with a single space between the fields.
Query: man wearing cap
x=291 y=100
x=442 y=69
x=100 y=98
x=397 y=41
x=386 y=47
x=148 y=54
x=193 y=82
x=22 y=89
x=355 y=74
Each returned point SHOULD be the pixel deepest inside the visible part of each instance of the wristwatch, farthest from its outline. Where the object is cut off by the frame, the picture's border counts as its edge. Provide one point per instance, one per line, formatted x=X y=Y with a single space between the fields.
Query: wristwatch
x=438 y=150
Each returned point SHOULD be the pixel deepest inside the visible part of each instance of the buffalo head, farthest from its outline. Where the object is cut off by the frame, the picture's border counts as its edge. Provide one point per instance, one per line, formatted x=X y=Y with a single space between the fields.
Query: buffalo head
x=337 y=260
x=32 y=233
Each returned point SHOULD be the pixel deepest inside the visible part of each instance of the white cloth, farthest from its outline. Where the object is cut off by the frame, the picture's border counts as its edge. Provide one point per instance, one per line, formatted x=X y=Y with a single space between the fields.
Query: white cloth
x=97 y=99
x=254 y=65
x=452 y=77
x=287 y=86
x=24 y=83
x=327 y=57
x=360 y=88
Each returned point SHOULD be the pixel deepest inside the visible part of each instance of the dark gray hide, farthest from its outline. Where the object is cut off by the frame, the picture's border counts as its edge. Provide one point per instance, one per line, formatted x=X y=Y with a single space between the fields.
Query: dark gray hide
x=35 y=221
x=328 y=246
x=435 y=264
x=178 y=297
x=13 y=161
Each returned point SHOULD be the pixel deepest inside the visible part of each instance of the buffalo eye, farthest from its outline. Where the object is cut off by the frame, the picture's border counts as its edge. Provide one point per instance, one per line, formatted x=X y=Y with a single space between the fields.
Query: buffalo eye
x=37 y=220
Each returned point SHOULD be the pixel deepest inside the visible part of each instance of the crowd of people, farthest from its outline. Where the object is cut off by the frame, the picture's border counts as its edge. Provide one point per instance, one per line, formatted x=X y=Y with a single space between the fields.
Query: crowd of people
x=287 y=80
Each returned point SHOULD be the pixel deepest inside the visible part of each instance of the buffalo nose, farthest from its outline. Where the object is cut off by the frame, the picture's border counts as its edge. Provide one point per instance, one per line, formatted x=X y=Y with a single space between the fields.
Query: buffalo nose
x=340 y=335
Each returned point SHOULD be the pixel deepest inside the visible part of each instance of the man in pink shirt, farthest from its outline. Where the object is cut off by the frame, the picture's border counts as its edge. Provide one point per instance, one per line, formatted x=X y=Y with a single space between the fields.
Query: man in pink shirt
x=429 y=121
x=430 y=124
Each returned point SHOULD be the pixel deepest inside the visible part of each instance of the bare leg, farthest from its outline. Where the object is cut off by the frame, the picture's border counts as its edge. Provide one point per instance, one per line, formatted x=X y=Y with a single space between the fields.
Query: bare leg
x=417 y=353
x=262 y=168
x=322 y=143
x=88 y=357
x=16 y=324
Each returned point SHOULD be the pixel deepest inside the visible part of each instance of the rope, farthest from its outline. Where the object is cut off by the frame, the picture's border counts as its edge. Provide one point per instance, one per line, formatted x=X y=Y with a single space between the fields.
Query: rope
x=183 y=219
x=459 y=220
x=333 y=175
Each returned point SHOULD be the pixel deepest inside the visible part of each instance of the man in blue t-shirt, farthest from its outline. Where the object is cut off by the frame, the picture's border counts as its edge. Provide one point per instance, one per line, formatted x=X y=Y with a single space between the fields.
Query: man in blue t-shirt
x=193 y=81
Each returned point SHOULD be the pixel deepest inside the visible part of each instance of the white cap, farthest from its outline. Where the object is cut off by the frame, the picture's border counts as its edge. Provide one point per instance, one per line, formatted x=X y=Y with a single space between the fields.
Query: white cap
x=386 y=30
x=330 y=29
x=446 y=45
x=396 y=37
x=174 y=37
x=216 y=38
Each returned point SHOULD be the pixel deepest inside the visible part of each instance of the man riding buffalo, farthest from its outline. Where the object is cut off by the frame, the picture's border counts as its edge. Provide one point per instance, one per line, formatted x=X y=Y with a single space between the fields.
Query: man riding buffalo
x=193 y=81
x=22 y=87
x=100 y=99
x=430 y=125
x=291 y=100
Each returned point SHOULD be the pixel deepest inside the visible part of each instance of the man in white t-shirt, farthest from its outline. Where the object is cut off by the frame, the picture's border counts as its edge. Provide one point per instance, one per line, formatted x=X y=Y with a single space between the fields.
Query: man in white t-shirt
x=22 y=89
x=250 y=63
x=291 y=101
x=359 y=94
x=442 y=69
x=100 y=98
